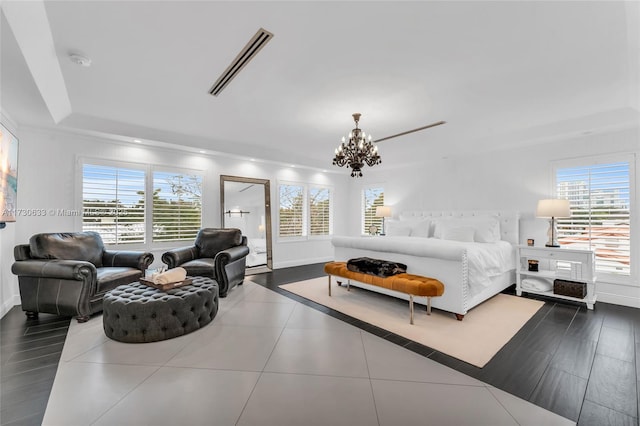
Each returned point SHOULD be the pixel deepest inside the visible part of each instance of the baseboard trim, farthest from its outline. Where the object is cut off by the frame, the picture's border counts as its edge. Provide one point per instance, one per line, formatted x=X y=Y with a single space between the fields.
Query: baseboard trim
x=8 y=304
x=617 y=299
x=300 y=262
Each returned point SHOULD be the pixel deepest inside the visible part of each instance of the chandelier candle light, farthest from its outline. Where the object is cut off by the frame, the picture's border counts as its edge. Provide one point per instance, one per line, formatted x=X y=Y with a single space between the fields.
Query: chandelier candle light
x=357 y=151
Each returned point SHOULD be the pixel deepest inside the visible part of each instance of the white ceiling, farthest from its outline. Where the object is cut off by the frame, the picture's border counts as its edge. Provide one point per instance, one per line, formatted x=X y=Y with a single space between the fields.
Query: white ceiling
x=501 y=74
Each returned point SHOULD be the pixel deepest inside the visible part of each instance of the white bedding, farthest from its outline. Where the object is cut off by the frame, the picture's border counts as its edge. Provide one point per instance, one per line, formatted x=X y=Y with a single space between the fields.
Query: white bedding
x=257 y=251
x=485 y=260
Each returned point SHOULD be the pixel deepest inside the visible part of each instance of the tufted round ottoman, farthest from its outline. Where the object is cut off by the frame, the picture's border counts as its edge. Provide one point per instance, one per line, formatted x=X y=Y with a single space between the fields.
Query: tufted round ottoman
x=136 y=313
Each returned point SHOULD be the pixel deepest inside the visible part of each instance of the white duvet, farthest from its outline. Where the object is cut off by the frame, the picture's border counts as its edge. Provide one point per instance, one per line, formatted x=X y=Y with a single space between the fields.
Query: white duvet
x=484 y=260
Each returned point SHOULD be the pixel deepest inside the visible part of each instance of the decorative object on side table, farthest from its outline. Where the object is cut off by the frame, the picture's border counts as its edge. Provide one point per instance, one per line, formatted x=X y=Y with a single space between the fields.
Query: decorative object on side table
x=553 y=208
x=173 y=278
x=373 y=230
x=533 y=265
x=383 y=211
x=569 y=288
x=530 y=242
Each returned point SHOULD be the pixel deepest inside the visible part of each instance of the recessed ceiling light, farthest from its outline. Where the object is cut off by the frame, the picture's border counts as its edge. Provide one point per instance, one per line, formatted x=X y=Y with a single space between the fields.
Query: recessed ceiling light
x=79 y=59
x=293 y=165
x=137 y=141
x=202 y=152
x=252 y=159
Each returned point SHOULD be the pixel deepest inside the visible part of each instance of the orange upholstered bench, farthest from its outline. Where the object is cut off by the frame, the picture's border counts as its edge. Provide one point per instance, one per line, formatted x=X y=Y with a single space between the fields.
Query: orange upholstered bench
x=413 y=285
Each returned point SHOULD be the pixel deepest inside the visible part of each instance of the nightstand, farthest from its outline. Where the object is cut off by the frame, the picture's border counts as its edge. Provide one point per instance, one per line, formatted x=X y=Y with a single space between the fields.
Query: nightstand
x=558 y=263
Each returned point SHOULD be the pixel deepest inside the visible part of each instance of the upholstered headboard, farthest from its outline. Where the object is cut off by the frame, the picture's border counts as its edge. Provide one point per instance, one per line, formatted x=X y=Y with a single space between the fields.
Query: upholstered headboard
x=509 y=220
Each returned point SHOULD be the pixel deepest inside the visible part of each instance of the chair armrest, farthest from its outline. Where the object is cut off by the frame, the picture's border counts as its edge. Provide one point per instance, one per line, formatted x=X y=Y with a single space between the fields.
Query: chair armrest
x=176 y=257
x=61 y=269
x=22 y=252
x=132 y=259
x=231 y=254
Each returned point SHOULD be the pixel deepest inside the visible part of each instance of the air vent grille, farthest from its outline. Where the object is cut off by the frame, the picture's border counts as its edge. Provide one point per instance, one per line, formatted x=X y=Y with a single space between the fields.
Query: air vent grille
x=250 y=50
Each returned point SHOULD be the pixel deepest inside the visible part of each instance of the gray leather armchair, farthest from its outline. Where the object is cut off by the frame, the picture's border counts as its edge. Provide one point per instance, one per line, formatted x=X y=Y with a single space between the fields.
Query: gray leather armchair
x=69 y=273
x=218 y=253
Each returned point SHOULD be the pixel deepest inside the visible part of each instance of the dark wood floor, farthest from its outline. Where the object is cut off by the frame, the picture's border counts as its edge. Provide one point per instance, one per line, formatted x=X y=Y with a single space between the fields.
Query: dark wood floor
x=29 y=352
x=583 y=365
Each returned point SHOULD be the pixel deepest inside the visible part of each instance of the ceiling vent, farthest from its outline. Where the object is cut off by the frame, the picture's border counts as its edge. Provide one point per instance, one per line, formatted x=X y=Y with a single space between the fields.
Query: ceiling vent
x=250 y=50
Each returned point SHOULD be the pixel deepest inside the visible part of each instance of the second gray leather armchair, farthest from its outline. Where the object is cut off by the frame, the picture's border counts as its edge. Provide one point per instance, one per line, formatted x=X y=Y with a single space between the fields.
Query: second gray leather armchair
x=219 y=253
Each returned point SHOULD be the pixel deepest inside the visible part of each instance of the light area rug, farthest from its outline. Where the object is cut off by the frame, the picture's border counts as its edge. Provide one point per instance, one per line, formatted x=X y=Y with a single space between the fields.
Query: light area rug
x=484 y=330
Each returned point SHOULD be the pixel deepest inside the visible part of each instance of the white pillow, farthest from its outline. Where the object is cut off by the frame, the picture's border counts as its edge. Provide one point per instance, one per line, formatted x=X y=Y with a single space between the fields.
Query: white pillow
x=421 y=229
x=397 y=228
x=486 y=228
x=463 y=233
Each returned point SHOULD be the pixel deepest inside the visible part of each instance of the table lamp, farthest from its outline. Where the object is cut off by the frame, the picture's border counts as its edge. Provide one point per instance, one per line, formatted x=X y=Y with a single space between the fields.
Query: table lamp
x=553 y=208
x=383 y=211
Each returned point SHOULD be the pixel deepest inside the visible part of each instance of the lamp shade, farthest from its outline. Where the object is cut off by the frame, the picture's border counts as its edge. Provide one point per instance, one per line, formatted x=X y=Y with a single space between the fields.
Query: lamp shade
x=383 y=211
x=553 y=208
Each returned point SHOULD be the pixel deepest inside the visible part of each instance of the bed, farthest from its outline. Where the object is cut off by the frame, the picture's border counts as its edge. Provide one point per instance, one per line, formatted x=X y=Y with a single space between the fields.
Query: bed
x=257 y=252
x=472 y=252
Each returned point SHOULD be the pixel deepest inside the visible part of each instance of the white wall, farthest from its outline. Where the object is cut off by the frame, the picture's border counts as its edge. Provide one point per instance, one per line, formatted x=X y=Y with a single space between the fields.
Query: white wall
x=49 y=180
x=513 y=179
x=509 y=179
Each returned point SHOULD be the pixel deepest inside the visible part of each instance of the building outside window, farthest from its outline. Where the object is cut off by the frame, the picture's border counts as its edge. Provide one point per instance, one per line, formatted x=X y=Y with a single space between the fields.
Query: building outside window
x=600 y=198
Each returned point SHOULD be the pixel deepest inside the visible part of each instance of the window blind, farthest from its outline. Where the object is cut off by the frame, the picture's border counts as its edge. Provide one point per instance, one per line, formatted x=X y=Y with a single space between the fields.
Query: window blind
x=177 y=206
x=291 y=217
x=113 y=203
x=372 y=198
x=599 y=198
x=319 y=211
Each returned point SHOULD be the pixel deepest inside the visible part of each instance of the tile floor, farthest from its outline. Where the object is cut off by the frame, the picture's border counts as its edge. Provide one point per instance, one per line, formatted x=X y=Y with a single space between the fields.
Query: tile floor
x=269 y=360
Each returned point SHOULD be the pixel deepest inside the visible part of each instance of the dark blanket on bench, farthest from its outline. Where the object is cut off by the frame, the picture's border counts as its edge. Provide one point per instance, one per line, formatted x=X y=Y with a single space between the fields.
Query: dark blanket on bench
x=381 y=268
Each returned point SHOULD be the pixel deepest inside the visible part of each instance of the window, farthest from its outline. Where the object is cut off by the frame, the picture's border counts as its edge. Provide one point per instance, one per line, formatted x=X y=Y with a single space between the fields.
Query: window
x=291 y=217
x=371 y=198
x=319 y=211
x=305 y=210
x=177 y=206
x=113 y=203
x=599 y=197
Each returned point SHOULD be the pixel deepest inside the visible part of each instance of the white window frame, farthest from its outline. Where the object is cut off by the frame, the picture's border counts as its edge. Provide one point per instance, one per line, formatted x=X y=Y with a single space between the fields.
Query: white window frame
x=148 y=170
x=115 y=165
x=306 y=231
x=330 y=189
x=364 y=231
x=632 y=278
x=304 y=212
x=161 y=169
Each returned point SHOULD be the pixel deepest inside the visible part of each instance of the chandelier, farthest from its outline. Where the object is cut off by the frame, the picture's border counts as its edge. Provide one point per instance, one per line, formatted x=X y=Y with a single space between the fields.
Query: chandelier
x=357 y=151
